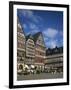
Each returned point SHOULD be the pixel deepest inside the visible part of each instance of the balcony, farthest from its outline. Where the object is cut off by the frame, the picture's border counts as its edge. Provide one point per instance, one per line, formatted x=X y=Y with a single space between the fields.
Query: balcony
x=21 y=49
x=30 y=46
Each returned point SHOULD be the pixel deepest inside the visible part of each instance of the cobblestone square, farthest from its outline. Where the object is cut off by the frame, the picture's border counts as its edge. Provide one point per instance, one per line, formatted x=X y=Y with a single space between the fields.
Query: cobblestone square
x=40 y=76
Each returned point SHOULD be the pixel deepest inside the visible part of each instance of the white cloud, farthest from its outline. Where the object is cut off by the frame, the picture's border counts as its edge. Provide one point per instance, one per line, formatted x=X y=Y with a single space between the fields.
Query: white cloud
x=51 y=43
x=24 y=26
x=26 y=13
x=34 y=31
x=37 y=19
x=50 y=32
x=46 y=39
x=33 y=26
x=29 y=14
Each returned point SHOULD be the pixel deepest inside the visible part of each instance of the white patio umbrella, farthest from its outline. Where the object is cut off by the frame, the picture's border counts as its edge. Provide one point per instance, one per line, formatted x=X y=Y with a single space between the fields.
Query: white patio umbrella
x=32 y=66
x=26 y=66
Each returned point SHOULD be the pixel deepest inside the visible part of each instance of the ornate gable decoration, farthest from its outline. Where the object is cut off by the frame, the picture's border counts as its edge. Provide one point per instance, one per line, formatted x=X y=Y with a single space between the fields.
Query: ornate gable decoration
x=40 y=40
x=19 y=28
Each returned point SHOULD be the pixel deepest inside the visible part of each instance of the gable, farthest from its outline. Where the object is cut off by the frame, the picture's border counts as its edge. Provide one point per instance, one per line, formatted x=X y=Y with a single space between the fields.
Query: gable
x=30 y=41
x=40 y=40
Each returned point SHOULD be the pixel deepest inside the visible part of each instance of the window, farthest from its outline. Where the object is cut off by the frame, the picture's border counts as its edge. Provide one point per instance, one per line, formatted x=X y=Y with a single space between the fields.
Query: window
x=21 y=67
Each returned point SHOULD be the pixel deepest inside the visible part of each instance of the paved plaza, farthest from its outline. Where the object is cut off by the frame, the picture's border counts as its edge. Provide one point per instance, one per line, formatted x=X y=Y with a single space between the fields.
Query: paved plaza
x=40 y=76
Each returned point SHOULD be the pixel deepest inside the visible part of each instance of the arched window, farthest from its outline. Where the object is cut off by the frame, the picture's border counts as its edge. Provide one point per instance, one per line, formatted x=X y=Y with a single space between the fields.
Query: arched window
x=21 y=67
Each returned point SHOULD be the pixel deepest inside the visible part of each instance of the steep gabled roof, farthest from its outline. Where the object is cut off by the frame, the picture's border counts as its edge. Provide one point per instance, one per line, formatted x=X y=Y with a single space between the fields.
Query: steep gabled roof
x=20 y=29
x=29 y=37
x=53 y=51
x=35 y=36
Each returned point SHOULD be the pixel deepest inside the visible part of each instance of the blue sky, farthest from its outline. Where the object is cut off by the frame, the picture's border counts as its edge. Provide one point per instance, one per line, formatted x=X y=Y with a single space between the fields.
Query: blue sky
x=50 y=23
